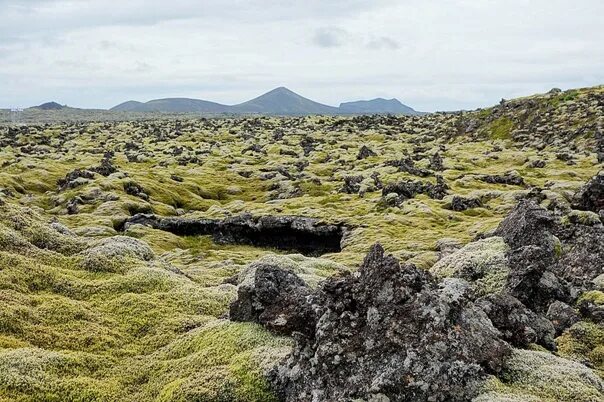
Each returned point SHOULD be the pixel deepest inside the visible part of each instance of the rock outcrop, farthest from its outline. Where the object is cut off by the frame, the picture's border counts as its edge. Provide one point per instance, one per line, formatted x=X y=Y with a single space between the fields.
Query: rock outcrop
x=389 y=331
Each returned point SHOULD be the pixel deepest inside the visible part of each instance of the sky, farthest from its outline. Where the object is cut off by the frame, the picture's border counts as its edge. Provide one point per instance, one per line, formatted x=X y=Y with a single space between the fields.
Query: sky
x=431 y=55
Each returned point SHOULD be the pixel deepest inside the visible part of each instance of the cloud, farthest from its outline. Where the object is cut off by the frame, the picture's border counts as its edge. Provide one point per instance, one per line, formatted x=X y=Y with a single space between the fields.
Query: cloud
x=330 y=37
x=383 y=42
x=97 y=53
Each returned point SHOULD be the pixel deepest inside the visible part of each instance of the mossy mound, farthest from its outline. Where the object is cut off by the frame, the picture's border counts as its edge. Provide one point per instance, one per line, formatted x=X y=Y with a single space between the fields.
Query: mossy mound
x=540 y=376
x=79 y=332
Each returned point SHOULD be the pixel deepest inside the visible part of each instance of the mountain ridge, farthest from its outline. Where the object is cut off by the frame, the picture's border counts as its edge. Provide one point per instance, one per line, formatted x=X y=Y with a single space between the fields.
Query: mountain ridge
x=278 y=101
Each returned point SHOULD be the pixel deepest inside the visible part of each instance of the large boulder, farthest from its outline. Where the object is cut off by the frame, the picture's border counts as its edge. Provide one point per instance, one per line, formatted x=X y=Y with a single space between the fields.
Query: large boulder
x=591 y=196
x=274 y=297
x=392 y=332
x=527 y=224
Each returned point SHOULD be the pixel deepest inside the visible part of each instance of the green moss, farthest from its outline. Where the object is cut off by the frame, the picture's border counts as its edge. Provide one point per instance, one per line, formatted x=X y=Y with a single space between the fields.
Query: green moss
x=483 y=263
x=500 y=129
x=541 y=376
x=583 y=341
x=594 y=296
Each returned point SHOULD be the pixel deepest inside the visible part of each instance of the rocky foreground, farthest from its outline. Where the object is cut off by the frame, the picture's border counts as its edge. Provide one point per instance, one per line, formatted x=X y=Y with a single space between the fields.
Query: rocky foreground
x=394 y=332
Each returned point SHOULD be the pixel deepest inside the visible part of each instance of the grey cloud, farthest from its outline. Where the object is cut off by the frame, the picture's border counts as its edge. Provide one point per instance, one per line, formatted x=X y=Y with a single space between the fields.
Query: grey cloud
x=330 y=37
x=383 y=42
x=100 y=52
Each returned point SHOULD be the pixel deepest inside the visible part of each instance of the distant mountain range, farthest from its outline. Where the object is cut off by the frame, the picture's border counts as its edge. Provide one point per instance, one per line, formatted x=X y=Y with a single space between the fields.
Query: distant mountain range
x=279 y=101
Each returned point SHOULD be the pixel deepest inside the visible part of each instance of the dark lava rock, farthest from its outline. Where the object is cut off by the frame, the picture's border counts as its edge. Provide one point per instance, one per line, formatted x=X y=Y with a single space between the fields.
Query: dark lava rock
x=538 y=163
x=600 y=145
x=551 y=258
x=106 y=167
x=564 y=156
x=519 y=325
x=257 y=148
x=527 y=224
x=365 y=152
x=459 y=203
x=136 y=190
x=562 y=316
x=591 y=196
x=530 y=279
x=376 y=180
x=390 y=331
x=591 y=310
x=408 y=165
x=582 y=255
x=511 y=178
x=275 y=298
x=70 y=179
x=73 y=205
x=436 y=162
x=308 y=145
x=352 y=184
x=409 y=189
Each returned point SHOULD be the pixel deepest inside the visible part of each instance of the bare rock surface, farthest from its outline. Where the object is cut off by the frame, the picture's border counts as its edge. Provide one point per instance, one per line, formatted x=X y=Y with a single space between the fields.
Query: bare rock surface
x=388 y=331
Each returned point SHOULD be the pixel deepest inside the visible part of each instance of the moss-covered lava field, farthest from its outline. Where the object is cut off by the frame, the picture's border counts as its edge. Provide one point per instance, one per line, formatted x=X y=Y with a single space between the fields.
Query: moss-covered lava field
x=95 y=306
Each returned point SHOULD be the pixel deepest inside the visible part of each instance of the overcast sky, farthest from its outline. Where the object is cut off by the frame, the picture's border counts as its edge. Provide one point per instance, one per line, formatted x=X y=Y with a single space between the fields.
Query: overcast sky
x=431 y=55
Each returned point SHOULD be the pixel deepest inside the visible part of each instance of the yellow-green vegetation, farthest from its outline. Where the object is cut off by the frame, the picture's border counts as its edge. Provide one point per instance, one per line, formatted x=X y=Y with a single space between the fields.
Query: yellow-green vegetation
x=501 y=129
x=542 y=377
x=584 y=341
x=93 y=314
x=120 y=326
x=483 y=263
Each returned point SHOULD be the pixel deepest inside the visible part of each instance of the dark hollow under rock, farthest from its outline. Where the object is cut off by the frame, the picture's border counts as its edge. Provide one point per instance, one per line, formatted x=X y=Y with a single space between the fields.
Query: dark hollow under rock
x=307 y=236
x=389 y=330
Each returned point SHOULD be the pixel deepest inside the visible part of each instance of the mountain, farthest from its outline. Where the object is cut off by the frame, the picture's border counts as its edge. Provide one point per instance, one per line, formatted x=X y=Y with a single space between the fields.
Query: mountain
x=378 y=105
x=131 y=106
x=172 y=105
x=279 y=101
x=282 y=101
x=49 y=106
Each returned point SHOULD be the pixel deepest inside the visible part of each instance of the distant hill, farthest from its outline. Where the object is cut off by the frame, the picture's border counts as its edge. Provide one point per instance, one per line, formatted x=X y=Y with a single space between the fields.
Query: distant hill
x=172 y=105
x=378 y=105
x=279 y=101
x=49 y=106
x=131 y=106
x=283 y=101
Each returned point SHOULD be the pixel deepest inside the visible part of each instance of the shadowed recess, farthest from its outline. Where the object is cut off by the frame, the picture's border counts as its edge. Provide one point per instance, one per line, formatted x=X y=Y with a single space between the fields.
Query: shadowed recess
x=306 y=236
